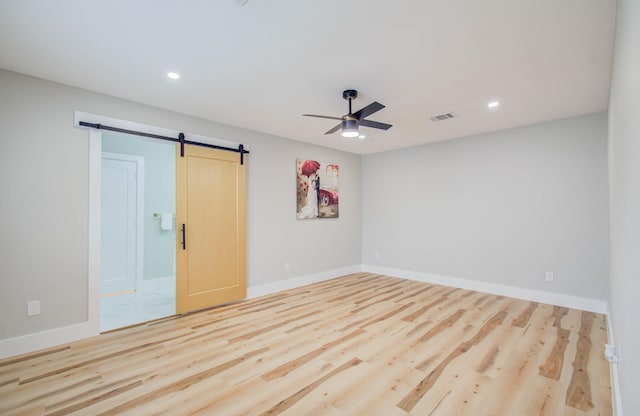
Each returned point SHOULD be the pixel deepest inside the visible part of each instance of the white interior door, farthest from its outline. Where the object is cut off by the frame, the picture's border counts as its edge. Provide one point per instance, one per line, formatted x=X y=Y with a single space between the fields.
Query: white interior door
x=121 y=241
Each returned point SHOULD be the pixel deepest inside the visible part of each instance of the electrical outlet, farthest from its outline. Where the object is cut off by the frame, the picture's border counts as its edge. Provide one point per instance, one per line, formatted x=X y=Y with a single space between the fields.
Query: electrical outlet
x=611 y=353
x=287 y=266
x=549 y=276
x=33 y=308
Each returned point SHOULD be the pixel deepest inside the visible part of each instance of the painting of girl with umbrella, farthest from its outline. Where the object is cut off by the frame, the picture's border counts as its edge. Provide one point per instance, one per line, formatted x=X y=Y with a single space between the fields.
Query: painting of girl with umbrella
x=317 y=189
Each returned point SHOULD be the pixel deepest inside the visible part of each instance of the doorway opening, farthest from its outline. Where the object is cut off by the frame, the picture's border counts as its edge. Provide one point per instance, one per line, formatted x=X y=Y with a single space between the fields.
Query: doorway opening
x=138 y=238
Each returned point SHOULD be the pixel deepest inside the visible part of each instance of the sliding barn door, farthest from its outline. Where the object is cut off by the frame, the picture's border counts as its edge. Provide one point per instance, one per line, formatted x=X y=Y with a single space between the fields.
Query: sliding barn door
x=210 y=234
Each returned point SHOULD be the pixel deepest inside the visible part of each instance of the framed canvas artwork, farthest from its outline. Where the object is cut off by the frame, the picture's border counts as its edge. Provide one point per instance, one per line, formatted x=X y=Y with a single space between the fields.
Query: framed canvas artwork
x=316 y=189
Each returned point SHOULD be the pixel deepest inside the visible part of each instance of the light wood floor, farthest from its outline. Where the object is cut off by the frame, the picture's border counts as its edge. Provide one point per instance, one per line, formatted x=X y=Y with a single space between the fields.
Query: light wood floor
x=359 y=345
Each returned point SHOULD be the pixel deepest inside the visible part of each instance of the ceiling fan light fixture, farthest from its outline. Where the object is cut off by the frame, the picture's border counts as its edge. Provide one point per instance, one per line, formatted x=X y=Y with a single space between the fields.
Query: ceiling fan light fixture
x=350 y=133
x=350 y=128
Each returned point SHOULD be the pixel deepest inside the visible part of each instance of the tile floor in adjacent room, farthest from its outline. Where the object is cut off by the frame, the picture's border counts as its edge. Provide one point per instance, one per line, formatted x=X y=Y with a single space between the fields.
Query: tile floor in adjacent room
x=152 y=301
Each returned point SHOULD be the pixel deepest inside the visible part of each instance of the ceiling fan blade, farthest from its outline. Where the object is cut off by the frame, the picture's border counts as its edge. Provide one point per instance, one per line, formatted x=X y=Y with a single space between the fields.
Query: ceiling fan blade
x=329 y=117
x=335 y=129
x=368 y=110
x=375 y=124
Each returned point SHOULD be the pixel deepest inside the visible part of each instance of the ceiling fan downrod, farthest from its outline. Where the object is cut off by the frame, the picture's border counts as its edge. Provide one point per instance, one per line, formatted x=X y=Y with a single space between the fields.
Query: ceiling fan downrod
x=350 y=95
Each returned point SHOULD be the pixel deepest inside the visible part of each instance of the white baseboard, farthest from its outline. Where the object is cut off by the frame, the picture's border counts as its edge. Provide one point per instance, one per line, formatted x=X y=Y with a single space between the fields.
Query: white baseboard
x=269 y=288
x=576 y=302
x=616 y=399
x=46 y=339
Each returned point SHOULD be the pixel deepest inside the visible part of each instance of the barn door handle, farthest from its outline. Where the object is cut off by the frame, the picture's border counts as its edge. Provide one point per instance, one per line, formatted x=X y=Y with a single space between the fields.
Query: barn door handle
x=184 y=240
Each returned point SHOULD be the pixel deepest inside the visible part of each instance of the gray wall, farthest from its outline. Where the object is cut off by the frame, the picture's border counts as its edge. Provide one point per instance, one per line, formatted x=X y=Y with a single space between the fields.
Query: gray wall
x=624 y=176
x=159 y=197
x=502 y=207
x=44 y=205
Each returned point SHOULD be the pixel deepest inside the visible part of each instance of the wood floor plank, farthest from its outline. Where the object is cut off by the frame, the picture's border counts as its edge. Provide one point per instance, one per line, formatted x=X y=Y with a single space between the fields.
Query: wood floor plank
x=181 y=384
x=552 y=367
x=360 y=344
x=460 y=398
x=300 y=394
x=579 y=390
x=373 y=394
x=284 y=369
x=410 y=400
x=24 y=357
x=517 y=373
x=522 y=319
x=112 y=390
x=258 y=395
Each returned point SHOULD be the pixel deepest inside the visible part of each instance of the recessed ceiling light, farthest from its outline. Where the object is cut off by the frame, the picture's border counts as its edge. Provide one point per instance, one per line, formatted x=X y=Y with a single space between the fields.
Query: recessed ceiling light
x=493 y=104
x=173 y=75
x=362 y=136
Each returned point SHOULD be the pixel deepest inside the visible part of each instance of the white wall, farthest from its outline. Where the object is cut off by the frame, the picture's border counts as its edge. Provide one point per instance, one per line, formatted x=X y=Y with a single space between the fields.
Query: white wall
x=624 y=176
x=44 y=205
x=499 y=208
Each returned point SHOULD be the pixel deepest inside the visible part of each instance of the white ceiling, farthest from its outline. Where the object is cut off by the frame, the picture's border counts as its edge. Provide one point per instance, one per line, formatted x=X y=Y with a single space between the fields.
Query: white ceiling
x=262 y=65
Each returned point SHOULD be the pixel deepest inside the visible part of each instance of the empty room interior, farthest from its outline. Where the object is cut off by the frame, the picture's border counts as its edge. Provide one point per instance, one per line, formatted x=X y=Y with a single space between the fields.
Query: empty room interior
x=350 y=207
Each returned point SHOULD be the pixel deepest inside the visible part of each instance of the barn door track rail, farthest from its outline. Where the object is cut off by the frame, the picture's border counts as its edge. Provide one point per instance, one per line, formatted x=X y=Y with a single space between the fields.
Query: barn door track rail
x=181 y=139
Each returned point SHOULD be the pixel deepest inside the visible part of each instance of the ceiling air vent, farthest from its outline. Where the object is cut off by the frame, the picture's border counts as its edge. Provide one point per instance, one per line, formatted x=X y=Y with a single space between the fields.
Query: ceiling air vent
x=441 y=117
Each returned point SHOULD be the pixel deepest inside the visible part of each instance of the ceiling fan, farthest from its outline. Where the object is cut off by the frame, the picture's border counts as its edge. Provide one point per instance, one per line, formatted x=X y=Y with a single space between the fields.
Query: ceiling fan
x=352 y=121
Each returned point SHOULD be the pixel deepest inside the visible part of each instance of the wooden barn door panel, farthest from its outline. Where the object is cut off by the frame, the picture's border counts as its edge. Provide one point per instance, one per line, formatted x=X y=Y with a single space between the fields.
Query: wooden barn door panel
x=211 y=260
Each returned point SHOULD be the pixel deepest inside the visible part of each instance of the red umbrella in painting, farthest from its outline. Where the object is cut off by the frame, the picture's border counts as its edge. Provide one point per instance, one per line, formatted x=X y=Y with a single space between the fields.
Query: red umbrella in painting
x=309 y=167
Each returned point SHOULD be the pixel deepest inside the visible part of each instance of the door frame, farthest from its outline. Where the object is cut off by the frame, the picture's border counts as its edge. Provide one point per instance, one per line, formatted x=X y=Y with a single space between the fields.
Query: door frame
x=139 y=161
x=92 y=326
